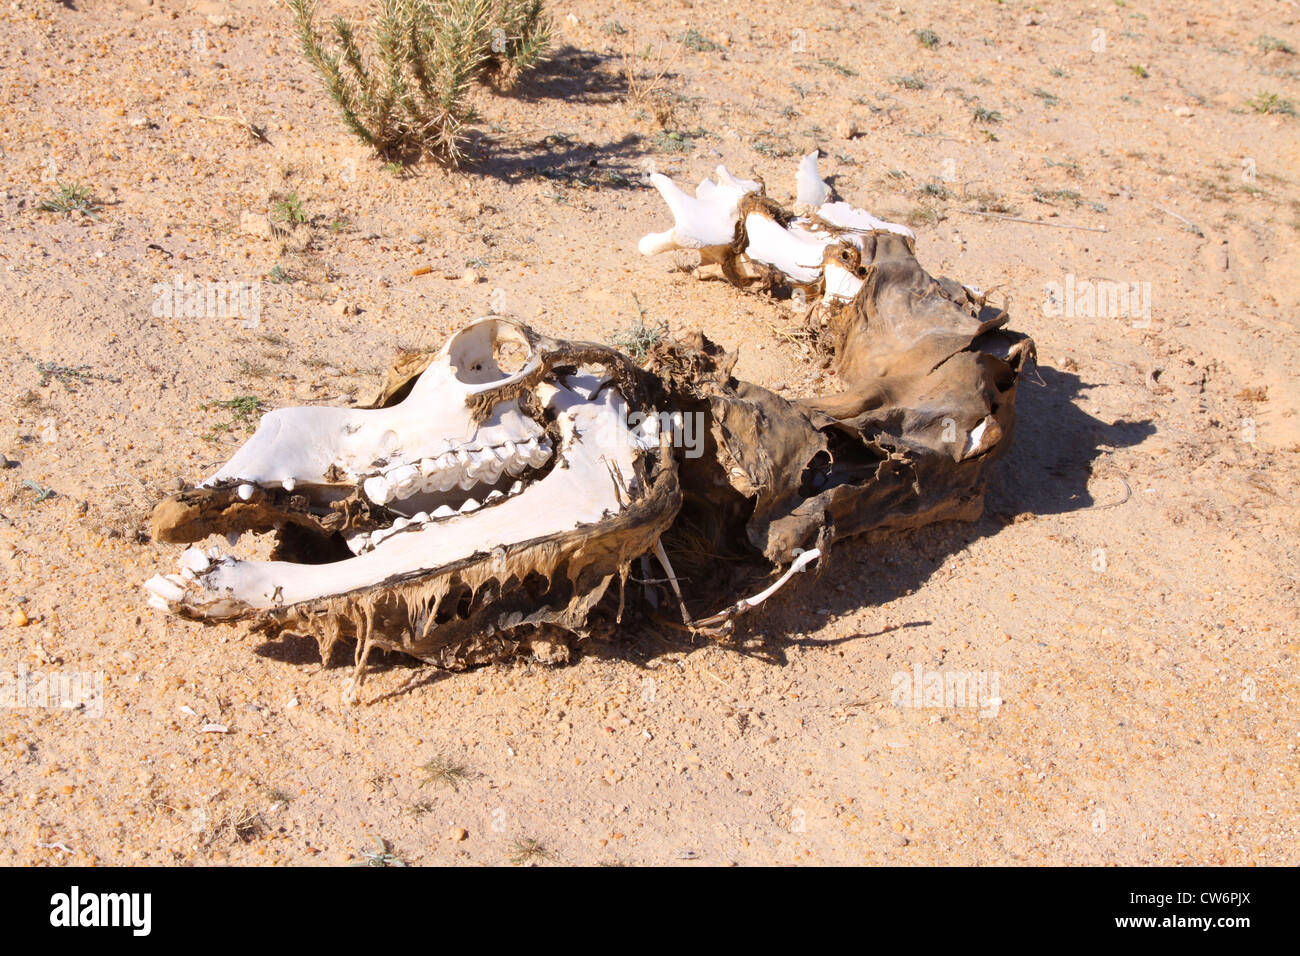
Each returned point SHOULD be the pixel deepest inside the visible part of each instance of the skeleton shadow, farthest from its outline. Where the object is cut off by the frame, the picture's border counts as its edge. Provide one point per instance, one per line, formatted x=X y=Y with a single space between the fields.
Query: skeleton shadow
x=1046 y=472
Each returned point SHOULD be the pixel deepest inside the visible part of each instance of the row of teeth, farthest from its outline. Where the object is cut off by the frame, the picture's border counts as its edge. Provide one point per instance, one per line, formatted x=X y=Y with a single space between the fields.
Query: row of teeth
x=454 y=469
x=458 y=469
x=367 y=541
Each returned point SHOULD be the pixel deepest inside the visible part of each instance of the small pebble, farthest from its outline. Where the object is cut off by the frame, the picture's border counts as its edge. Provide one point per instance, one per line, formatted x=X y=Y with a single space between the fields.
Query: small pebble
x=459 y=834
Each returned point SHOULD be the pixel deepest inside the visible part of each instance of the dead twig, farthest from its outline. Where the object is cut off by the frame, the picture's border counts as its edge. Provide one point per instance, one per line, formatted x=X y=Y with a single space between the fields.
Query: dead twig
x=1033 y=222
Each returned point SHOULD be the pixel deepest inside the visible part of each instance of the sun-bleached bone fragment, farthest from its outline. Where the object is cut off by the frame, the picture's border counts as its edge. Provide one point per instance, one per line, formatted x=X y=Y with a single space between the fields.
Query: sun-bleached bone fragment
x=810 y=191
x=797 y=255
x=698 y=223
x=844 y=216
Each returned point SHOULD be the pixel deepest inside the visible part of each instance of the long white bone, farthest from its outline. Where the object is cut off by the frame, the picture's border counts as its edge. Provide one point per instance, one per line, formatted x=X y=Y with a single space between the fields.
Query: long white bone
x=797 y=254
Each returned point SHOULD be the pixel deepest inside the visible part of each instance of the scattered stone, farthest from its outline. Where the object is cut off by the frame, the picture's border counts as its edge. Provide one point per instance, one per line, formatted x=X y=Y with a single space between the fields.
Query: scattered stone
x=459 y=835
x=899 y=840
x=1183 y=111
x=346 y=308
x=19 y=618
x=470 y=276
x=256 y=225
x=847 y=129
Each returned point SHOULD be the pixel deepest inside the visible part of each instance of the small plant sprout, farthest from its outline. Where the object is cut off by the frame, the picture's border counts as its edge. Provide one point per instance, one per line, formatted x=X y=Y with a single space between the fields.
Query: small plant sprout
x=245 y=411
x=381 y=855
x=442 y=772
x=1264 y=102
x=927 y=38
x=69 y=376
x=526 y=851
x=72 y=199
x=289 y=209
x=639 y=338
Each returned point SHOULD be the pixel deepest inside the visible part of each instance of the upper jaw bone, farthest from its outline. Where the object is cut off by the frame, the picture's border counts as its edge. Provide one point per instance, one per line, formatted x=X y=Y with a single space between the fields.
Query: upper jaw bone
x=308 y=445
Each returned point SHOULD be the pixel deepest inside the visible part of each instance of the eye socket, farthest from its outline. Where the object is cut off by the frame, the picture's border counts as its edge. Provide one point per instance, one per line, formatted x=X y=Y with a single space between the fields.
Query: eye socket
x=510 y=355
x=488 y=352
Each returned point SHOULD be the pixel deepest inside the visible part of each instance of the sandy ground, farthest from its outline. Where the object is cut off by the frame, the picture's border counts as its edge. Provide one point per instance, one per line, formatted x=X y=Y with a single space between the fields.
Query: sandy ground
x=1132 y=587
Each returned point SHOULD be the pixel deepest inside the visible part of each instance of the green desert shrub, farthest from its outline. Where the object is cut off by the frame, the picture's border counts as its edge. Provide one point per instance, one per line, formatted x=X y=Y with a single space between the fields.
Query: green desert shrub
x=407 y=92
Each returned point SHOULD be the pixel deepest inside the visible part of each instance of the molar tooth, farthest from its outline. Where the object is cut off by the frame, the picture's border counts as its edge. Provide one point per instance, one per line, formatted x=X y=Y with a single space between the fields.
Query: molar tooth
x=469 y=505
x=245 y=491
x=288 y=484
x=377 y=489
x=517 y=487
x=493 y=496
x=443 y=511
x=428 y=467
x=404 y=480
x=420 y=517
x=400 y=524
x=518 y=459
x=446 y=480
x=540 y=455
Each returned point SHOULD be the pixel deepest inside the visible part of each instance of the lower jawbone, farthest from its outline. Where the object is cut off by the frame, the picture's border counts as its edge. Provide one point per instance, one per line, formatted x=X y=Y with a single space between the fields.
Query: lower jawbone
x=480 y=505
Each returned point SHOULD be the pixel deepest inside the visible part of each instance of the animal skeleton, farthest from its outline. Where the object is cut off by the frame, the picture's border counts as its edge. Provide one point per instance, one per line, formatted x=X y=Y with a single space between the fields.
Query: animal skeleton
x=489 y=497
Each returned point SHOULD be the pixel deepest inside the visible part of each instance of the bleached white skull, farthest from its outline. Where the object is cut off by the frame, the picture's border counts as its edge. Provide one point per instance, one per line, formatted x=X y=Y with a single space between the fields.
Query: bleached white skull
x=475 y=471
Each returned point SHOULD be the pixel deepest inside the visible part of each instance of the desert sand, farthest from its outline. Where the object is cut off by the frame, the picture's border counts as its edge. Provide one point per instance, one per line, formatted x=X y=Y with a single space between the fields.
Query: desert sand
x=1132 y=586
